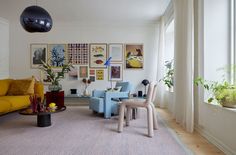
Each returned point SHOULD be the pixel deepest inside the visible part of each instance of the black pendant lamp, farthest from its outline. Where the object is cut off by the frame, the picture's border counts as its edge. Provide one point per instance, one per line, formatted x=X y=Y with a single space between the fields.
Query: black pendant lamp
x=36 y=19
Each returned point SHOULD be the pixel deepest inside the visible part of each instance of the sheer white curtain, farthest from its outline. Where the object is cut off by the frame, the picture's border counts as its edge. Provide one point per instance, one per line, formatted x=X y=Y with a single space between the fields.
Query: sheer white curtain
x=160 y=65
x=183 y=69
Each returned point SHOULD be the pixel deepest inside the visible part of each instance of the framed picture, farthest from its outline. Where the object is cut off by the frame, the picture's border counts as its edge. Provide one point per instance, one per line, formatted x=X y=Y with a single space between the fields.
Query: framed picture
x=73 y=73
x=134 y=56
x=83 y=71
x=92 y=78
x=98 y=55
x=78 y=54
x=38 y=53
x=116 y=52
x=91 y=72
x=115 y=72
x=100 y=74
x=57 y=54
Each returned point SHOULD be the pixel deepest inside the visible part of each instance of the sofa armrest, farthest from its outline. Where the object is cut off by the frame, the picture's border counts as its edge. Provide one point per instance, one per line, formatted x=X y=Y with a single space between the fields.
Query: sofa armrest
x=98 y=93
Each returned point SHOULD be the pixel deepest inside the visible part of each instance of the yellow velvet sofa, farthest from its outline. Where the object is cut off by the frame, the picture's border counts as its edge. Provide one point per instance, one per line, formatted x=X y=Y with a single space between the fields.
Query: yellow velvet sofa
x=14 y=94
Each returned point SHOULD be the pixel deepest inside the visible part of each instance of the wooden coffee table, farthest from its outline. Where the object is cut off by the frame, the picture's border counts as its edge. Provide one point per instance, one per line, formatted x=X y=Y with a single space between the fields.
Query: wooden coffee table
x=43 y=118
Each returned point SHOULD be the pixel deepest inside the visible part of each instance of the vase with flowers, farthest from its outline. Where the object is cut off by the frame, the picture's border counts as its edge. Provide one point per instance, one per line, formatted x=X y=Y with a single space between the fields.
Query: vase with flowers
x=86 y=82
x=55 y=76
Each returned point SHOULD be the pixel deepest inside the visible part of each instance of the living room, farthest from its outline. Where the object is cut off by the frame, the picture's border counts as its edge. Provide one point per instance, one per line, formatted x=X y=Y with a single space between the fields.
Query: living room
x=174 y=44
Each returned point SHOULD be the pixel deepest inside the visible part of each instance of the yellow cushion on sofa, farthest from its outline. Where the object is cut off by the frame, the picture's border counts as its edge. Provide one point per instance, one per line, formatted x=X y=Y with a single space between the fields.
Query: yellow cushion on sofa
x=17 y=102
x=5 y=106
x=21 y=87
x=4 y=86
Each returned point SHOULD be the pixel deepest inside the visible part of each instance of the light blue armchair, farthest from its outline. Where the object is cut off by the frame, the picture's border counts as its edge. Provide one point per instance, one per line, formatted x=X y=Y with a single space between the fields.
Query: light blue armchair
x=105 y=101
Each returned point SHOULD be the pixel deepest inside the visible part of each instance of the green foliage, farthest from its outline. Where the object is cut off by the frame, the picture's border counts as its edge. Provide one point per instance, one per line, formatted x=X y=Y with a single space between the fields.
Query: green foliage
x=222 y=92
x=55 y=77
x=169 y=75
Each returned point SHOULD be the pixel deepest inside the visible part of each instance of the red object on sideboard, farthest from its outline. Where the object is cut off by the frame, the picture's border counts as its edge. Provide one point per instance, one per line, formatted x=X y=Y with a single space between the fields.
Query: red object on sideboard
x=56 y=97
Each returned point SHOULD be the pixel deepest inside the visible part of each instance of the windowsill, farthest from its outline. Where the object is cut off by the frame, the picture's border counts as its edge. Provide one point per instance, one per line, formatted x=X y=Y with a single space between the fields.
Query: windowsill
x=215 y=105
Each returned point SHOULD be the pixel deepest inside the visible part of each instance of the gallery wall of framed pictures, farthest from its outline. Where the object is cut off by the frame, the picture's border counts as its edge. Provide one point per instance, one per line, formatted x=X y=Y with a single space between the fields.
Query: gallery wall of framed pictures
x=88 y=59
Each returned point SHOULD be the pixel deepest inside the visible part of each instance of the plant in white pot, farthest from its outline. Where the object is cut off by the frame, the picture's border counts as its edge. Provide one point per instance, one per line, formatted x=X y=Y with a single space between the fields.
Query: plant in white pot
x=223 y=92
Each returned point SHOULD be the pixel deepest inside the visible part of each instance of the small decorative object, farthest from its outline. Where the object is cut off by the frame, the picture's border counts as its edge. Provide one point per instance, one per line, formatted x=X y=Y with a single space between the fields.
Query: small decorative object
x=38 y=54
x=145 y=82
x=99 y=74
x=73 y=91
x=98 y=55
x=86 y=82
x=134 y=56
x=116 y=52
x=108 y=64
x=52 y=107
x=36 y=19
x=140 y=94
x=36 y=104
x=55 y=76
x=34 y=101
x=79 y=53
x=57 y=55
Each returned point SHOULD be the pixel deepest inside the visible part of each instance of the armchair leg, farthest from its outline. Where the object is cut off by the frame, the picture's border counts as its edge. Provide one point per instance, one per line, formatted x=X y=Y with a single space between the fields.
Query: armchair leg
x=121 y=118
x=155 y=124
x=150 y=121
x=128 y=115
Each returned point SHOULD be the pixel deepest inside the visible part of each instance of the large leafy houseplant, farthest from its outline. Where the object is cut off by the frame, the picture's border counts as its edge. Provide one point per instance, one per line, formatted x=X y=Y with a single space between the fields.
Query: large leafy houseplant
x=222 y=92
x=55 y=76
x=168 y=78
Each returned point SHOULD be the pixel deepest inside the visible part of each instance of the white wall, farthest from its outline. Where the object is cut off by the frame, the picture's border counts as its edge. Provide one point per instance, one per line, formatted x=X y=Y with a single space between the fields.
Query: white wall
x=75 y=33
x=4 y=48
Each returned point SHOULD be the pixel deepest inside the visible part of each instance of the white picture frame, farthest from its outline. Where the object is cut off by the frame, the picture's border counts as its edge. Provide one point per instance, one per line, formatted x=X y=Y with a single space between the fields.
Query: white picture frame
x=116 y=51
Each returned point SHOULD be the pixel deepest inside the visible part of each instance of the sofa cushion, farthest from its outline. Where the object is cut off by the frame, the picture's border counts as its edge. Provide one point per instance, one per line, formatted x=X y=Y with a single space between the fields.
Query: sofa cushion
x=21 y=87
x=5 y=106
x=17 y=102
x=4 y=86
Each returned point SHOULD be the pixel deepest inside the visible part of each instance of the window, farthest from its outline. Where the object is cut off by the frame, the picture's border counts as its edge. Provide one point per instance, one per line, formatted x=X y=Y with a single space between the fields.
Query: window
x=218 y=40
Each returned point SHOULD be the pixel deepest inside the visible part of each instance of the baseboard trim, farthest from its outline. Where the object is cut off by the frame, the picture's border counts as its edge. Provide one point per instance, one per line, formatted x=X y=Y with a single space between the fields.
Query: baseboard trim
x=215 y=141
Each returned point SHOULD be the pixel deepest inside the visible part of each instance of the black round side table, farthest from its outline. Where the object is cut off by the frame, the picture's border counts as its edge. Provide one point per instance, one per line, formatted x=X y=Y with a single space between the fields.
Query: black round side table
x=44 y=119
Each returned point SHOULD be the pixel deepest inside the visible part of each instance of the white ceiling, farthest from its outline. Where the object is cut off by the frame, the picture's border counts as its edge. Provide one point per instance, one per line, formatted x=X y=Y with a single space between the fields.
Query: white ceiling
x=91 y=11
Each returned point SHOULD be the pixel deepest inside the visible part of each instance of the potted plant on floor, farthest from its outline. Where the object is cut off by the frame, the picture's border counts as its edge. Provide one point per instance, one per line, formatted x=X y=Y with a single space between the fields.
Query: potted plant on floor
x=223 y=92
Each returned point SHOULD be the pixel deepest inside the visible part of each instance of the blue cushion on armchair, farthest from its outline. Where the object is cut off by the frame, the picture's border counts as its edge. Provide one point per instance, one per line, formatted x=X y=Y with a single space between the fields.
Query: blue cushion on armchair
x=125 y=86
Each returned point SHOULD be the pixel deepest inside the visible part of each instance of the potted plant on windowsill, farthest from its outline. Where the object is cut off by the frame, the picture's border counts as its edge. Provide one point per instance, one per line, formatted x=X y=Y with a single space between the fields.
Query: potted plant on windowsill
x=168 y=78
x=223 y=92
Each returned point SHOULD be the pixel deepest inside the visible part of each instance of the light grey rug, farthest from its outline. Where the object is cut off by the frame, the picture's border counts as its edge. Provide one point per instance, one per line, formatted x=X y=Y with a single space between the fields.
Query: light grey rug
x=77 y=131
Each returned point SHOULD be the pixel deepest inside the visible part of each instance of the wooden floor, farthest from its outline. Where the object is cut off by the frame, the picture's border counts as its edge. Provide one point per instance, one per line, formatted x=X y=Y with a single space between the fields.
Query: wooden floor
x=198 y=144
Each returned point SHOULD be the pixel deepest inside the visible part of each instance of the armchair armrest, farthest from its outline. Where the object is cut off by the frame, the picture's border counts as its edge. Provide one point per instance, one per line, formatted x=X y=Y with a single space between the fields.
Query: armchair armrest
x=108 y=100
x=98 y=93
